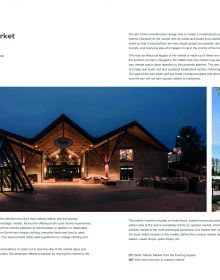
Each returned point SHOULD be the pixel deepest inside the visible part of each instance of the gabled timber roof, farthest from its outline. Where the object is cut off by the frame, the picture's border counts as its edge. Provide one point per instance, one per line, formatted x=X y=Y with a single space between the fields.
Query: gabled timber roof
x=129 y=127
x=65 y=119
x=15 y=136
x=133 y=127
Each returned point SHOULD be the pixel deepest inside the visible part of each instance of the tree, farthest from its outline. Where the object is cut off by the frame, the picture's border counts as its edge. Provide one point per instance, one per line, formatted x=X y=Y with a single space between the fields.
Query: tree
x=190 y=142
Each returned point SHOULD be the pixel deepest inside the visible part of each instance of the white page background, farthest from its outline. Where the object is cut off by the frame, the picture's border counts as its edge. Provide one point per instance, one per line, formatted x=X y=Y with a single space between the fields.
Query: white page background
x=85 y=43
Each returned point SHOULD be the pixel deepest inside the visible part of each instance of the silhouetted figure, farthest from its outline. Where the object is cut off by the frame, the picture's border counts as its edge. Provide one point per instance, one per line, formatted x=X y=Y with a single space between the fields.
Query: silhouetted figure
x=193 y=182
x=157 y=182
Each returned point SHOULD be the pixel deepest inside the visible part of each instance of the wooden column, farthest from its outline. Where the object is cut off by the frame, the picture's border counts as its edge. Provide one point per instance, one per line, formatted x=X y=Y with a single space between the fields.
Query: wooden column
x=106 y=161
x=83 y=167
x=106 y=168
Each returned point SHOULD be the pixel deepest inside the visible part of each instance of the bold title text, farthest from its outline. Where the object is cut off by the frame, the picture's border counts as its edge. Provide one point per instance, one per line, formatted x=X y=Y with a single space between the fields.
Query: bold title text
x=7 y=36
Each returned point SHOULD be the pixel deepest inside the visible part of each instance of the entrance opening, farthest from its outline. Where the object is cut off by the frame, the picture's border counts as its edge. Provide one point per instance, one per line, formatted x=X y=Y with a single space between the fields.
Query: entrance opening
x=64 y=172
x=64 y=165
x=126 y=173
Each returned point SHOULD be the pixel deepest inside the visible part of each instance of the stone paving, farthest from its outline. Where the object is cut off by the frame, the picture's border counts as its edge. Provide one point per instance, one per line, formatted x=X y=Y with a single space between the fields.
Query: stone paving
x=216 y=201
x=68 y=197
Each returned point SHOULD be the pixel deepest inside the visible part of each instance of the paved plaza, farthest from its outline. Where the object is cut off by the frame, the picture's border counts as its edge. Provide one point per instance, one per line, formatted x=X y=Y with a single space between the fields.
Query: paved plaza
x=216 y=201
x=69 y=197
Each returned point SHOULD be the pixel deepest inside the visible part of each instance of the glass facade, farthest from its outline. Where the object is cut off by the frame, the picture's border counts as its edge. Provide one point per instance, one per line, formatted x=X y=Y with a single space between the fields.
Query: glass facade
x=126 y=173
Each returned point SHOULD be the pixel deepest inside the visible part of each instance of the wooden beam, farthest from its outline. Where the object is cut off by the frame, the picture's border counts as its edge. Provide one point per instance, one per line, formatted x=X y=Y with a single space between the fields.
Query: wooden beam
x=118 y=142
x=96 y=154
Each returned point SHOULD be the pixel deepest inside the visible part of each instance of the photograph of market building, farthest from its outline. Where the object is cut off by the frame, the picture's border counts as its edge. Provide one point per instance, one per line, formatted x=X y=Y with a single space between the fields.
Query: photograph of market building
x=215 y=149
x=63 y=151
x=66 y=168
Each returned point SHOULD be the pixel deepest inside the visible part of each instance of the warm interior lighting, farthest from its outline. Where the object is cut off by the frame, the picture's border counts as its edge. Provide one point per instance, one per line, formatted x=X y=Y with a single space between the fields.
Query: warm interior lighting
x=126 y=155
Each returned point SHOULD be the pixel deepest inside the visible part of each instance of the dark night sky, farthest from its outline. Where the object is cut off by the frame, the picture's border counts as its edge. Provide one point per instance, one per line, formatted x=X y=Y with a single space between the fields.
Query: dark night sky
x=162 y=111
